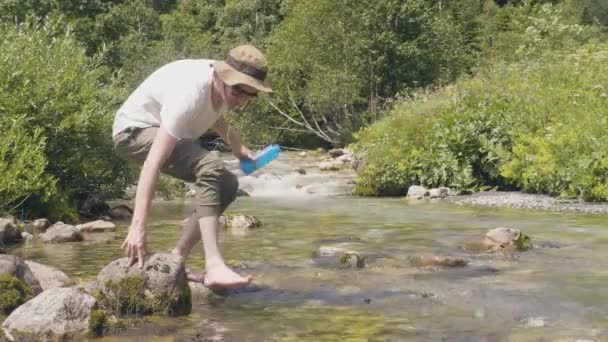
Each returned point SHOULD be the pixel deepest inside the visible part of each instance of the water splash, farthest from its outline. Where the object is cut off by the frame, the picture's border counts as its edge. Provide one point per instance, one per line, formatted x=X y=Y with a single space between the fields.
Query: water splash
x=294 y=176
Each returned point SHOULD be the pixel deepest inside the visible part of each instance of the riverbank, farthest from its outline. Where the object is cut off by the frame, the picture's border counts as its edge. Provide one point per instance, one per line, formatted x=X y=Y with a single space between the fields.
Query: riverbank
x=519 y=200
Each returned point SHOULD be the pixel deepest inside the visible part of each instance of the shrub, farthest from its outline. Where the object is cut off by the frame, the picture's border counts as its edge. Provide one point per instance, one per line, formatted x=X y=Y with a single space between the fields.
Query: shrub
x=534 y=125
x=56 y=107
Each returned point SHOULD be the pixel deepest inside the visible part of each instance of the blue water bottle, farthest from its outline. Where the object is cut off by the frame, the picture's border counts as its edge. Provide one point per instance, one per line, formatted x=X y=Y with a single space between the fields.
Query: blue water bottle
x=262 y=159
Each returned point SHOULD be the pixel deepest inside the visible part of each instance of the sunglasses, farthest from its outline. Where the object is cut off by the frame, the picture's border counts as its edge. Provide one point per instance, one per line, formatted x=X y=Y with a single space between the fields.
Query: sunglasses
x=242 y=92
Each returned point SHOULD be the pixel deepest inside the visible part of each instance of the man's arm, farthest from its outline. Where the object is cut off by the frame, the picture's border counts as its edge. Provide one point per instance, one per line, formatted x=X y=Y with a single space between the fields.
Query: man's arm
x=161 y=149
x=233 y=139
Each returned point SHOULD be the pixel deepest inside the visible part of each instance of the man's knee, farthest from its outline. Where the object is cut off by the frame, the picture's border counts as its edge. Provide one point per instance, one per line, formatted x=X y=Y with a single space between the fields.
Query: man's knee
x=228 y=185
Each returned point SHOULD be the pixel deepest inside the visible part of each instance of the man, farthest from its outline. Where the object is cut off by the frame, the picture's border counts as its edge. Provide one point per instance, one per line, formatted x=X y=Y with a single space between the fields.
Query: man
x=158 y=127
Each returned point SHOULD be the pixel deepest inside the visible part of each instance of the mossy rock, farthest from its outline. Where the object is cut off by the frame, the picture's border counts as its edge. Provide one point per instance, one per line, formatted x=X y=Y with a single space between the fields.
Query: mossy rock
x=102 y=324
x=130 y=296
x=160 y=287
x=13 y=293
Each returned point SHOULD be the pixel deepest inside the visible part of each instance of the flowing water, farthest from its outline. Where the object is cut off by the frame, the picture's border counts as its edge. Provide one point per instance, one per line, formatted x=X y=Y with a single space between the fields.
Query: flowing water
x=553 y=293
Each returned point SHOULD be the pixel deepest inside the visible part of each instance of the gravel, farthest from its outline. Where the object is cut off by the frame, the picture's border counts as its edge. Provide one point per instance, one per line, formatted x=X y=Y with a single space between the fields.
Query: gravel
x=499 y=199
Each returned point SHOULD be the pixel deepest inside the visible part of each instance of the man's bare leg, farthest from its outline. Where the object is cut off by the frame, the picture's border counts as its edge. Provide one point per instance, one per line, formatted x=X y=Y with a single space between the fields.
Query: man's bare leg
x=217 y=274
x=191 y=235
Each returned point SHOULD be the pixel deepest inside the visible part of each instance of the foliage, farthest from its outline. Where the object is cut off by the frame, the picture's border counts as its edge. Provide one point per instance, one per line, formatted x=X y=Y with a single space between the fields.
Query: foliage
x=333 y=62
x=56 y=109
x=534 y=125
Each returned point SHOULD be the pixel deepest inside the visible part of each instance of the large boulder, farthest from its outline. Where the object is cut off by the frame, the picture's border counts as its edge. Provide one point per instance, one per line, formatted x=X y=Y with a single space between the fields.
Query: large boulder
x=159 y=287
x=49 y=277
x=12 y=265
x=54 y=315
x=98 y=226
x=61 y=232
x=8 y=231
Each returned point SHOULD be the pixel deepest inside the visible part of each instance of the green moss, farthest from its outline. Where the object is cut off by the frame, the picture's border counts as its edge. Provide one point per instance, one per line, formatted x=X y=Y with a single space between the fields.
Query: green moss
x=13 y=292
x=352 y=260
x=127 y=297
x=523 y=242
x=98 y=322
x=172 y=305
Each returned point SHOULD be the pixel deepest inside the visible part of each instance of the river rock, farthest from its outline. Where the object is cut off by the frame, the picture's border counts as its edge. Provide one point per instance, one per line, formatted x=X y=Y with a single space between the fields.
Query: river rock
x=339 y=257
x=505 y=239
x=27 y=236
x=303 y=154
x=49 y=277
x=54 y=315
x=98 y=226
x=331 y=165
x=239 y=222
x=40 y=225
x=60 y=233
x=336 y=152
x=10 y=264
x=437 y=261
x=8 y=231
x=417 y=192
x=160 y=287
x=121 y=213
x=442 y=192
x=301 y=171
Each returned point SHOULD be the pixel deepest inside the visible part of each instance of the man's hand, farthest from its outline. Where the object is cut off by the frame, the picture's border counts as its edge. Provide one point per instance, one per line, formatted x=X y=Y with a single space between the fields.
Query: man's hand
x=136 y=245
x=244 y=153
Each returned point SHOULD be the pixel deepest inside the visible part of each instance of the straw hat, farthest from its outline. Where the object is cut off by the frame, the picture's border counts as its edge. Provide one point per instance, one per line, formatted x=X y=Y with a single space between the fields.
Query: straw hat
x=244 y=65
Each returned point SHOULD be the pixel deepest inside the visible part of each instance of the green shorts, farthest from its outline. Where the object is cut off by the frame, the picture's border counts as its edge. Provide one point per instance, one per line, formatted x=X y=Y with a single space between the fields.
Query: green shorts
x=188 y=162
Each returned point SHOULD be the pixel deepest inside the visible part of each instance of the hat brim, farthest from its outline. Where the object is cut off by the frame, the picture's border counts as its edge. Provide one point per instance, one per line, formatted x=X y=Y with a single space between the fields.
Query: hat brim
x=231 y=76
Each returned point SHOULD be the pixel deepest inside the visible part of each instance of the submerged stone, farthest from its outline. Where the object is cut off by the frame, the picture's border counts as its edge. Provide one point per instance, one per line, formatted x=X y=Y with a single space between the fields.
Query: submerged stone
x=500 y=239
x=339 y=257
x=437 y=261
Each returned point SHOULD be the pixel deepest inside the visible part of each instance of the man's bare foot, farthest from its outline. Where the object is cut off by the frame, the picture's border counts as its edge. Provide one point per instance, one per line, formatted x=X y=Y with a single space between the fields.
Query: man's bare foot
x=223 y=277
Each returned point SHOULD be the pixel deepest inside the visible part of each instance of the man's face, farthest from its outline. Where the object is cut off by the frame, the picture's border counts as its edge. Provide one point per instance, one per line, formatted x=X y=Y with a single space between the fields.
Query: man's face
x=239 y=95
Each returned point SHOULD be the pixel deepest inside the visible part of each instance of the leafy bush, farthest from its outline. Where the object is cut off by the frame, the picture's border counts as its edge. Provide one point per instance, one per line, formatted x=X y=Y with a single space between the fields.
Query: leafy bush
x=57 y=107
x=535 y=125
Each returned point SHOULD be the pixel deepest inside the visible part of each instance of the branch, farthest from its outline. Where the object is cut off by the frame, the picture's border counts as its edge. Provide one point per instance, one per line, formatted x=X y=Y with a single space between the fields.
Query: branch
x=285 y=115
x=289 y=129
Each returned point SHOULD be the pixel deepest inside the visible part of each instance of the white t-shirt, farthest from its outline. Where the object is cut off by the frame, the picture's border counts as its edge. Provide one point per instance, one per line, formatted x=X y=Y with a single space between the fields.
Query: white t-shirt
x=177 y=97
